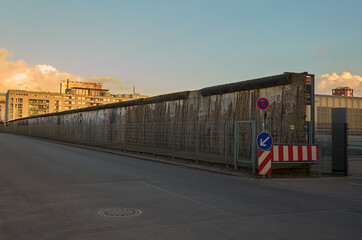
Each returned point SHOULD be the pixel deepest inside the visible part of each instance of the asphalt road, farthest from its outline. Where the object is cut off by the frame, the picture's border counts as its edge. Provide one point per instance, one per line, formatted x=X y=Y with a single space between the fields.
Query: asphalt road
x=55 y=191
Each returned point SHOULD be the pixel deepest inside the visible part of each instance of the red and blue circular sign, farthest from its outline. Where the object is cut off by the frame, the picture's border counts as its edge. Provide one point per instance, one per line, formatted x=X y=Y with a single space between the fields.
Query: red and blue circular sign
x=262 y=103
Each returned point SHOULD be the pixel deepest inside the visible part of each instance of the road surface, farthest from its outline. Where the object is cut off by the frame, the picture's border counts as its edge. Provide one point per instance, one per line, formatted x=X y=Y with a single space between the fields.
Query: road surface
x=55 y=191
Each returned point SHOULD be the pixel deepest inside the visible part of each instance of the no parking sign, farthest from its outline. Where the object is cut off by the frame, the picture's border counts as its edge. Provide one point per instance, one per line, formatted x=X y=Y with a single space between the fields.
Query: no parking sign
x=262 y=103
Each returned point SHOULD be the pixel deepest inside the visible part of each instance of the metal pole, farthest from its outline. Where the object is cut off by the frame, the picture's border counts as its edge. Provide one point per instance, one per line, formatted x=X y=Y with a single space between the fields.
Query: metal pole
x=197 y=139
x=124 y=131
x=173 y=140
x=262 y=116
x=236 y=145
x=226 y=142
x=312 y=111
x=153 y=139
x=253 y=147
x=138 y=137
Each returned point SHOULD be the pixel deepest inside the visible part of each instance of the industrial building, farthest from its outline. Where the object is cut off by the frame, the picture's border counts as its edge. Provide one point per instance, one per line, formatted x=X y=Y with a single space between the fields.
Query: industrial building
x=325 y=103
x=73 y=95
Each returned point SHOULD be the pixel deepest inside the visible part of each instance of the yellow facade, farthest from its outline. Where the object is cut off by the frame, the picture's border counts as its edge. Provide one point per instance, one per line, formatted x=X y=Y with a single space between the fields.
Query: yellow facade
x=74 y=95
x=2 y=107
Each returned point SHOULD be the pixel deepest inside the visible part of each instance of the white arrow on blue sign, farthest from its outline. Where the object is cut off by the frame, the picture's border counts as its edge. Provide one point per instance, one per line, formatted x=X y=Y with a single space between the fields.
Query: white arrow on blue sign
x=264 y=141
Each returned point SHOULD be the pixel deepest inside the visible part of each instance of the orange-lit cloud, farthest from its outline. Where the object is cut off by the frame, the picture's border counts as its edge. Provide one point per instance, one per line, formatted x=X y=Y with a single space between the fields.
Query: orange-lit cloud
x=19 y=75
x=328 y=81
x=323 y=48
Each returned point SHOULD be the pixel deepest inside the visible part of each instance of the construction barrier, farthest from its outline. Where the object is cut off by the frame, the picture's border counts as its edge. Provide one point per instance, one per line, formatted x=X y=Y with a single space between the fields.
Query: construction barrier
x=264 y=162
x=295 y=153
x=287 y=154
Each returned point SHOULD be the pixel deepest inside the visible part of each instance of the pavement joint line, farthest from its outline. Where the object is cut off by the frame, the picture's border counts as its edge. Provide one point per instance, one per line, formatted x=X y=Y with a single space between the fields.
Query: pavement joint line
x=356 y=177
x=41 y=188
x=311 y=179
x=354 y=184
x=190 y=199
x=301 y=213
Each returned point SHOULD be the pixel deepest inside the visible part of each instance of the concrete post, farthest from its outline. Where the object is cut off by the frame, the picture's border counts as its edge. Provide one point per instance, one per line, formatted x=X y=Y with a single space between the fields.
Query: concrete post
x=339 y=141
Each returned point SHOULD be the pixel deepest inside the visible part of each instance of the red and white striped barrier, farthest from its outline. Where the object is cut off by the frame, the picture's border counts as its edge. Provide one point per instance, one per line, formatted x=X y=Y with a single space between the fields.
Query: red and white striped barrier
x=294 y=153
x=264 y=162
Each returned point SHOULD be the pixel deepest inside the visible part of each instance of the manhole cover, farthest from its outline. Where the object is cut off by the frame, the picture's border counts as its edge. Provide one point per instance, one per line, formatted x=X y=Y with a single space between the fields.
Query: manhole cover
x=120 y=212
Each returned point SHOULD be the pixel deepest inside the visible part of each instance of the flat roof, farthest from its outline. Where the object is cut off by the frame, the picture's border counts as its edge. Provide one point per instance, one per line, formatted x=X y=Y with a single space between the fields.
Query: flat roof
x=89 y=88
x=337 y=96
x=92 y=83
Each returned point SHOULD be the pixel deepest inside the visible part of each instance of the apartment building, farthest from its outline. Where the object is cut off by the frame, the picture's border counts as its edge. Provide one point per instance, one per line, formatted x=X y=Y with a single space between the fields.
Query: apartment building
x=73 y=95
x=2 y=107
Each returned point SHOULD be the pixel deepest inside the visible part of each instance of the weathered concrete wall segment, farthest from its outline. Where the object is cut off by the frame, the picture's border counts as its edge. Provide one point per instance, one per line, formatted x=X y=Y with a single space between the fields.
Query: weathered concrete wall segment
x=191 y=120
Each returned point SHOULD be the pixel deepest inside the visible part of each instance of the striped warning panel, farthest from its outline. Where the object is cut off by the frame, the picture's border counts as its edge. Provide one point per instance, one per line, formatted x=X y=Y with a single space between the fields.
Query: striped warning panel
x=264 y=162
x=295 y=153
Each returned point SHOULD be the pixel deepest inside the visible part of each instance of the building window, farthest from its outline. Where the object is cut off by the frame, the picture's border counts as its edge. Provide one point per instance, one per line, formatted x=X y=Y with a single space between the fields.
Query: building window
x=38 y=107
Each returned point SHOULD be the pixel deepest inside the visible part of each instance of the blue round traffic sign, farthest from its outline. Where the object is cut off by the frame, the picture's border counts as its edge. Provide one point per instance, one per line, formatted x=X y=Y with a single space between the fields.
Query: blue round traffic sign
x=262 y=103
x=264 y=141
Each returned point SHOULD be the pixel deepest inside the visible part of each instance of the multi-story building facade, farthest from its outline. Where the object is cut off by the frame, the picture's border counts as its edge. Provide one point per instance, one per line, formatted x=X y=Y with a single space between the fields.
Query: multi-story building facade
x=73 y=95
x=2 y=107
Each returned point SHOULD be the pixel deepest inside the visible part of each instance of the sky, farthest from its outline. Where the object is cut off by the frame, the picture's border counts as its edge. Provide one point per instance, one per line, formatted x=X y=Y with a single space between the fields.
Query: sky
x=164 y=46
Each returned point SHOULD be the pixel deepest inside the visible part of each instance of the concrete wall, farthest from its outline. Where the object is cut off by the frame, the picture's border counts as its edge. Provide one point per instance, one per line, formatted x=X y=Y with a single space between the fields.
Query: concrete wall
x=201 y=120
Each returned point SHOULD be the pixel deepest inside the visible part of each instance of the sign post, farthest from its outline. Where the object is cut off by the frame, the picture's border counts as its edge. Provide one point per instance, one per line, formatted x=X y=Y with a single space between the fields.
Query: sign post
x=262 y=104
x=310 y=81
x=264 y=140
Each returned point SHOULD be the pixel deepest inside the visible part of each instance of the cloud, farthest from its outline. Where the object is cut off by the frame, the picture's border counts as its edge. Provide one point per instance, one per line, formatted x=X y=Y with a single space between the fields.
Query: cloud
x=328 y=81
x=323 y=48
x=18 y=75
x=4 y=54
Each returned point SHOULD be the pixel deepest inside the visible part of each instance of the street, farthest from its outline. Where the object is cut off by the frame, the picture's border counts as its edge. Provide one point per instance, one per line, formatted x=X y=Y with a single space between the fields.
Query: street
x=54 y=191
